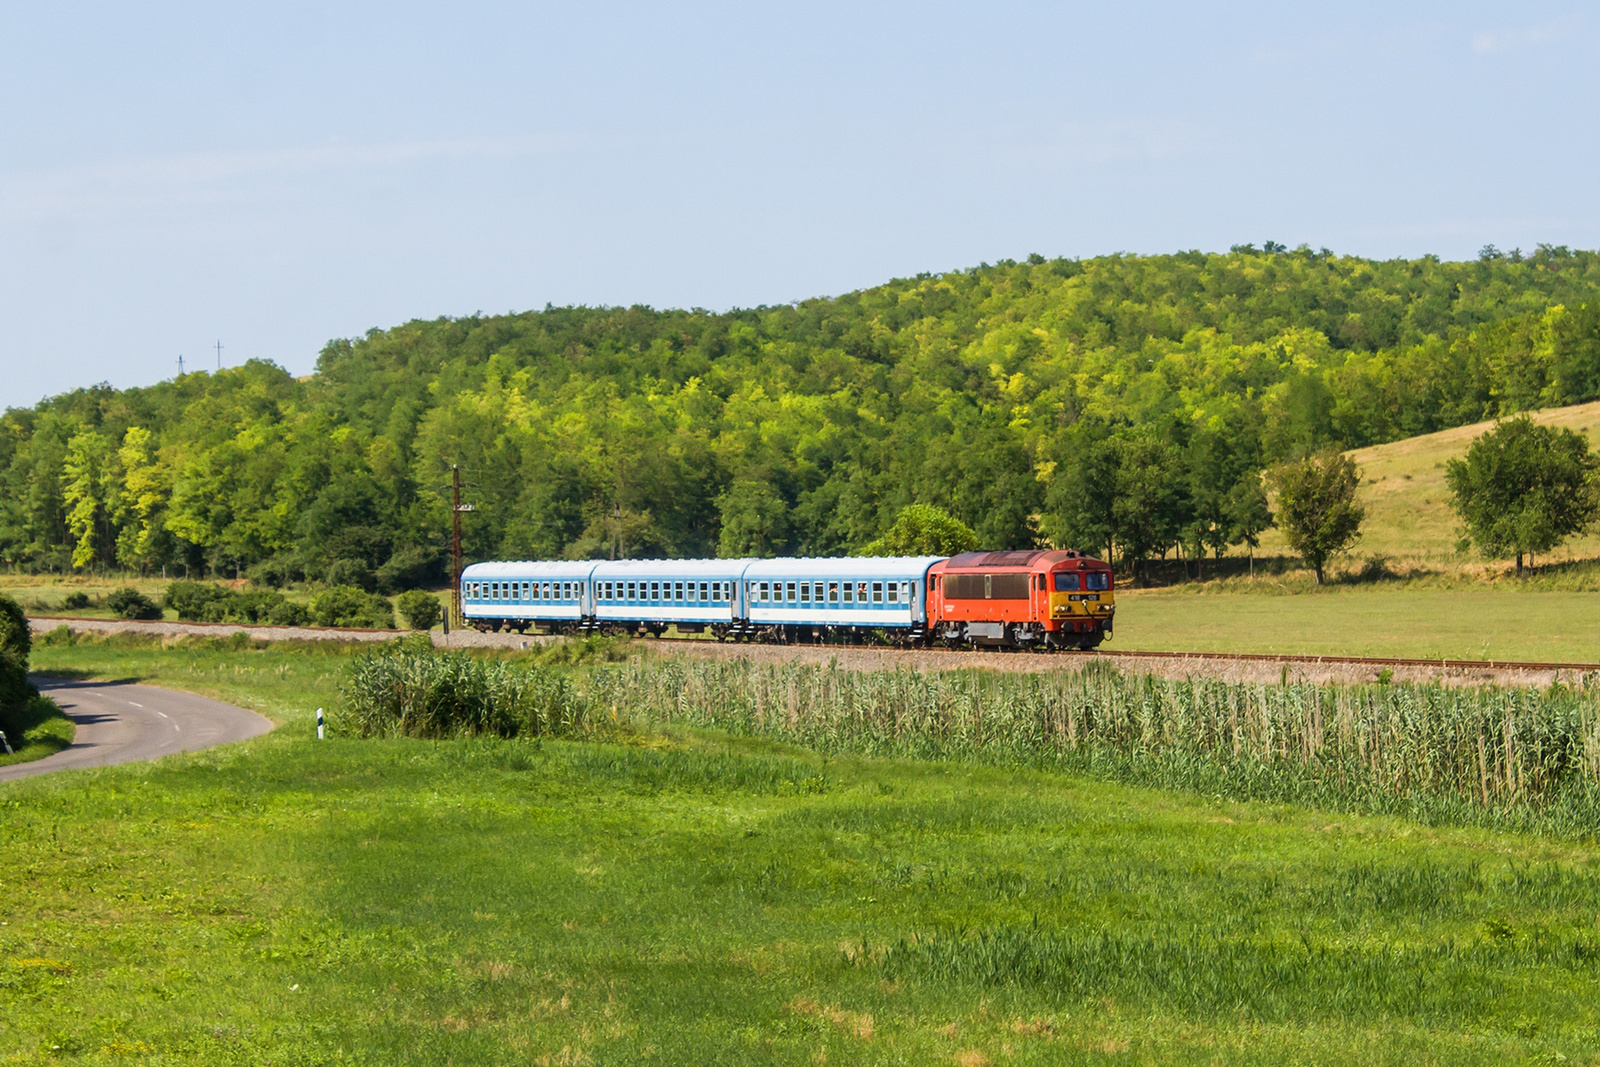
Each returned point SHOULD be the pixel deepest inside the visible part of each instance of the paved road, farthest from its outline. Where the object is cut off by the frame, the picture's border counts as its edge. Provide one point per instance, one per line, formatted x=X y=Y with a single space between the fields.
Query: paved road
x=118 y=722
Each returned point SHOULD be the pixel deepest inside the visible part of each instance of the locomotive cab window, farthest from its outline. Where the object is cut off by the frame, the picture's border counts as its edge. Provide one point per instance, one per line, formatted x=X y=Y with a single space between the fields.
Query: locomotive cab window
x=1066 y=583
x=1100 y=580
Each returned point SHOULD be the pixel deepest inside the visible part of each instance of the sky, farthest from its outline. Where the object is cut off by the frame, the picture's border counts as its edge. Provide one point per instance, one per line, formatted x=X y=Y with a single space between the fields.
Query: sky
x=274 y=175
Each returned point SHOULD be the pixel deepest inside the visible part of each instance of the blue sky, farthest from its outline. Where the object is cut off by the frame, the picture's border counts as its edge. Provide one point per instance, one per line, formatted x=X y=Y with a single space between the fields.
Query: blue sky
x=275 y=175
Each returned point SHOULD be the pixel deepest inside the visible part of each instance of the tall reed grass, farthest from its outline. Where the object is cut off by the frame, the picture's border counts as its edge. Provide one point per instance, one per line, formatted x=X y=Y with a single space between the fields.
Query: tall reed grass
x=1506 y=758
x=411 y=692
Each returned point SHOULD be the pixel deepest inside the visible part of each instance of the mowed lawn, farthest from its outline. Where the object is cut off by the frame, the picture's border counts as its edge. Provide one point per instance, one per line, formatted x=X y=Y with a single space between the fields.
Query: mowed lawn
x=1375 y=620
x=695 y=900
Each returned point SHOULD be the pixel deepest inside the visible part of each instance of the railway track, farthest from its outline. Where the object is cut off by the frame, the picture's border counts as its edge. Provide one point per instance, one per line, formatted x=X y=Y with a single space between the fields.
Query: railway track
x=360 y=634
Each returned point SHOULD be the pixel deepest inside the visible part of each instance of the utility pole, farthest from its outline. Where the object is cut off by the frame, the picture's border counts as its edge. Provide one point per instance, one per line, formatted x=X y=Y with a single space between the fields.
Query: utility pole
x=180 y=365
x=219 y=355
x=456 y=510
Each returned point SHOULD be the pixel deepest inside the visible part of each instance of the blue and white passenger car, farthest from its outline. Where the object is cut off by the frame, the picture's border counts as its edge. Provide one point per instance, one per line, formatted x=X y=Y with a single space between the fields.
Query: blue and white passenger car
x=556 y=594
x=790 y=599
x=650 y=594
x=853 y=593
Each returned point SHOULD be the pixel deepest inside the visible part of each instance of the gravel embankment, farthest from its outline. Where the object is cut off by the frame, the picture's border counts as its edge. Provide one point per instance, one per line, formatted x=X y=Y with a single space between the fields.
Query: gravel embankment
x=1177 y=666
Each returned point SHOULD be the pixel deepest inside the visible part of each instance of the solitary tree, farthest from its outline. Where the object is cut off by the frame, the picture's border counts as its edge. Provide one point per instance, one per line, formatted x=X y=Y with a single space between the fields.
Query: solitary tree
x=1317 y=509
x=1248 y=514
x=923 y=530
x=1523 y=488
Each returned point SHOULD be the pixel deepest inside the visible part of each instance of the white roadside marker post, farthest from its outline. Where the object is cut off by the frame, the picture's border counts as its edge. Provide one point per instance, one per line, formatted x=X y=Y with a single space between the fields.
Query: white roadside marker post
x=6 y=743
x=319 y=724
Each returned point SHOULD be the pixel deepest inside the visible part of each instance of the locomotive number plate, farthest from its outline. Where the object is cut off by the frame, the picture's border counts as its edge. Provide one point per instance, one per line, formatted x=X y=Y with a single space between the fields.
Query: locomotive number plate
x=1084 y=596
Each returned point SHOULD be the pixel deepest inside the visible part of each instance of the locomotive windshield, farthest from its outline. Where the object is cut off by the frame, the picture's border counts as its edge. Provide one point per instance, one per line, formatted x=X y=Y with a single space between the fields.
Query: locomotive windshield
x=1094 y=581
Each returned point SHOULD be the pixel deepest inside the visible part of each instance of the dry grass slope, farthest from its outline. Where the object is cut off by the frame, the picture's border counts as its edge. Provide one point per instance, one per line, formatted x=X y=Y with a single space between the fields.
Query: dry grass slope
x=1408 y=506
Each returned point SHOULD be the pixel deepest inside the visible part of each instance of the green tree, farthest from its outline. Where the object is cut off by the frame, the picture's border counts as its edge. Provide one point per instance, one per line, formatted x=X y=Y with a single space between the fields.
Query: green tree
x=86 y=478
x=755 y=519
x=1249 y=514
x=923 y=530
x=1317 y=509
x=1523 y=488
x=420 y=609
x=146 y=485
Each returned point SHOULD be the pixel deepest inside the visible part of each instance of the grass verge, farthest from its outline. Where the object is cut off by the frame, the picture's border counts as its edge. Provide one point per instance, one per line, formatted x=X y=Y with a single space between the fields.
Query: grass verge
x=693 y=897
x=35 y=730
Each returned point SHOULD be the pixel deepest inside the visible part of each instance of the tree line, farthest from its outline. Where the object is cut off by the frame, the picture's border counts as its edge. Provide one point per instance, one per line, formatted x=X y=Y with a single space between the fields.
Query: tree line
x=1125 y=405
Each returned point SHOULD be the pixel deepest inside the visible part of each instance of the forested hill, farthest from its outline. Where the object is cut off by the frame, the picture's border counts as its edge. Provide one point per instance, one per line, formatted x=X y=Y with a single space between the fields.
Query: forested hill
x=1124 y=403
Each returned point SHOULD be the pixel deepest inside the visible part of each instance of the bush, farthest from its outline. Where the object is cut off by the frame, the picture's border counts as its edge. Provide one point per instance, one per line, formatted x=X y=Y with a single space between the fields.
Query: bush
x=346 y=605
x=189 y=599
x=207 y=602
x=129 y=603
x=417 y=693
x=420 y=609
x=288 y=613
x=16 y=643
x=75 y=601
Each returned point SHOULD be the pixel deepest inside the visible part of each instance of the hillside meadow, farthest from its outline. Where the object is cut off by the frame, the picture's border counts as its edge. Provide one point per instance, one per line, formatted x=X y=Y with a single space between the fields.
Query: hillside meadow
x=1409 y=520
x=686 y=896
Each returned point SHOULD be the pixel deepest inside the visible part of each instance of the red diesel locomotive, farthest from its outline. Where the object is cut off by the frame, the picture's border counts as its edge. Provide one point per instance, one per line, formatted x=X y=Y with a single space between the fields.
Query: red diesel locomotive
x=1021 y=599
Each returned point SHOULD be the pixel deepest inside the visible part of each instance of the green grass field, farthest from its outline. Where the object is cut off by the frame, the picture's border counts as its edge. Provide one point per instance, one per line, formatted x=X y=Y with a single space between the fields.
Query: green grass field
x=689 y=898
x=1366 y=620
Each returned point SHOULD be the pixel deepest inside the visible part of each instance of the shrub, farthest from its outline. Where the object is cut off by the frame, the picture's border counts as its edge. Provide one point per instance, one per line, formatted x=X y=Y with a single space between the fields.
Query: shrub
x=207 y=602
x=189 y=599
x=288 y=613
x=60 y=636
x=346 y=605
x=420 y=609
x=75 y=601
x=16 y=643
x=129 y=603
x=417 y=693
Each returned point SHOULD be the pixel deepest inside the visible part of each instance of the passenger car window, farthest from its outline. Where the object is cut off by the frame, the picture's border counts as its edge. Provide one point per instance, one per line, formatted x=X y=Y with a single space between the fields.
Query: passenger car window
x=849 y=593
x=877 y=592
x=792 y=598
x=805 y=592
x=833 y=592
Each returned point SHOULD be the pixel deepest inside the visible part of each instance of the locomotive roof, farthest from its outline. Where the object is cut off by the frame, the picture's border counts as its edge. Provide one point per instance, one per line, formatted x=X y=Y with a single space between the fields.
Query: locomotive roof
x=1026 y=557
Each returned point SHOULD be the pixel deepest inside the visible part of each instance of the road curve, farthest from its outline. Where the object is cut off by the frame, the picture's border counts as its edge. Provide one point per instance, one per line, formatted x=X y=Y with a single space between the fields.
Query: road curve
x=118 y=722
